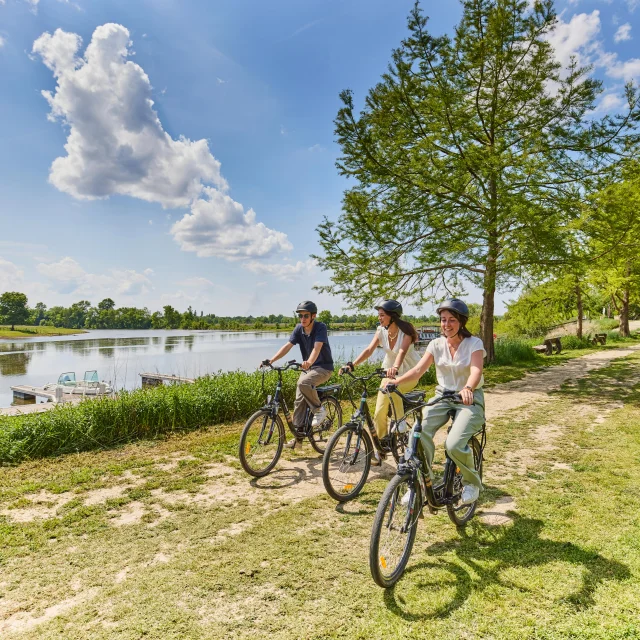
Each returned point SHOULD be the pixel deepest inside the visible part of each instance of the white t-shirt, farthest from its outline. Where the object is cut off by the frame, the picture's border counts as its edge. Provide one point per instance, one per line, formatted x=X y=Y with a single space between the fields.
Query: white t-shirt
x=452 y=374
x=411 y=357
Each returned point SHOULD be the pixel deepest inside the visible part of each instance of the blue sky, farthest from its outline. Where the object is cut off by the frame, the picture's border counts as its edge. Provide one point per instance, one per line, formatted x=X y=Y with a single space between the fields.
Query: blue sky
x=183 y=151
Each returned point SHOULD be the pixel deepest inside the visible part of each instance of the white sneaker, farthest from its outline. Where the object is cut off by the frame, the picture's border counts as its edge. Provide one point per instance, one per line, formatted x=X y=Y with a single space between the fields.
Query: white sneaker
x=319 y=416
x=470 y=494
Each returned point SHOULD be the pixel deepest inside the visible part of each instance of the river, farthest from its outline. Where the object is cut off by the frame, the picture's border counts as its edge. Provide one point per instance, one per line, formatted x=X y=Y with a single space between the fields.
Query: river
x=120 y=356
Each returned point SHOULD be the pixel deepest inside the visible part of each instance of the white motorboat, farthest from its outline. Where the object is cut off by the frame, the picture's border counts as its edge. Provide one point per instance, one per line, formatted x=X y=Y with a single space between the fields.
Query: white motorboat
x=90 y=385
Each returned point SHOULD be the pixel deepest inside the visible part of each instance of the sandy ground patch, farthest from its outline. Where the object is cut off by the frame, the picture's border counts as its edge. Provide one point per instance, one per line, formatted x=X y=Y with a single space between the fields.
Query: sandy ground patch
x=497 y=514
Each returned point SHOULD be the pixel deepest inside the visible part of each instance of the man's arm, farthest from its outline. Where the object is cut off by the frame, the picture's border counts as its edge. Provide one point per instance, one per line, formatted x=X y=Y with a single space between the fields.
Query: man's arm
x=282 y=351
x=317 y=347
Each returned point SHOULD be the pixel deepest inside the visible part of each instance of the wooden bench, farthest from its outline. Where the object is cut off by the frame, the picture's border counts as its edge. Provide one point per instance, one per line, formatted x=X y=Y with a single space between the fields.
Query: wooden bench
x=550 y=345
x=599 y=338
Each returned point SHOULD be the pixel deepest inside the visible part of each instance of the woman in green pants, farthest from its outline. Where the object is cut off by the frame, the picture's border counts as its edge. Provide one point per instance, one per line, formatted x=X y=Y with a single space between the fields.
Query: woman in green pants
x=458 y=357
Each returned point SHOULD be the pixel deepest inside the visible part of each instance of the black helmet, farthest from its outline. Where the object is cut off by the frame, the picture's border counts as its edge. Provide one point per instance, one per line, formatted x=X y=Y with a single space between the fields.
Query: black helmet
x=307 y=305
x=453 y=304
x=390 y=306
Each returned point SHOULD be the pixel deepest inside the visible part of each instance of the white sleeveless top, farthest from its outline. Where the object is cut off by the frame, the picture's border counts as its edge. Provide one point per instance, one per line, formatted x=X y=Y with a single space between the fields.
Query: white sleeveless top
x=411 y=357
x=452 y=373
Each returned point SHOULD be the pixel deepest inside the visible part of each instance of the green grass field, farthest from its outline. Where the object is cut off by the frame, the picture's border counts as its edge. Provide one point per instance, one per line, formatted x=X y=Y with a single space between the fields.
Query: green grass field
x=169 y=539
x=34 y=332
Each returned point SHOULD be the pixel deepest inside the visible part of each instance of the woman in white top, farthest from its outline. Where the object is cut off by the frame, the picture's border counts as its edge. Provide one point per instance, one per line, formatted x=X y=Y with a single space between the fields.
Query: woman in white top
x=396 y=337
x=458 y=357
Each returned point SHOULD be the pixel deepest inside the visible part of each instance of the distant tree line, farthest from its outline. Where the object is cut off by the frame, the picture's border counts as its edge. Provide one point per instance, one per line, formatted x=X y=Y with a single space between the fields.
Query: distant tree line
x=14 y=309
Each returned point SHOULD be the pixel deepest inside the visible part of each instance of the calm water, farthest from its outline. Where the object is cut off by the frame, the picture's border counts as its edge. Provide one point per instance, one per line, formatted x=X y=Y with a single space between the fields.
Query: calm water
x=120 y=356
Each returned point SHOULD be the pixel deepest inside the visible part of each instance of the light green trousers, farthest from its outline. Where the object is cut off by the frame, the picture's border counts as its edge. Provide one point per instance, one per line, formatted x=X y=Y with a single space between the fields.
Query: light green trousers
x=468 y=421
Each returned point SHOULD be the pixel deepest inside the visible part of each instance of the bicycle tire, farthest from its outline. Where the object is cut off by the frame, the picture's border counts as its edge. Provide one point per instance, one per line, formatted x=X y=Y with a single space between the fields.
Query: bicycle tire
x=461 y=515
x=320 y=436
x=343 y=491
x=249 y=442
x=380 y=557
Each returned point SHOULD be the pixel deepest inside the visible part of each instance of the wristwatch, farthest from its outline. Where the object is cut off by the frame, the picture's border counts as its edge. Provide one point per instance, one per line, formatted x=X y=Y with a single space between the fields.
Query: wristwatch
x=468 y=387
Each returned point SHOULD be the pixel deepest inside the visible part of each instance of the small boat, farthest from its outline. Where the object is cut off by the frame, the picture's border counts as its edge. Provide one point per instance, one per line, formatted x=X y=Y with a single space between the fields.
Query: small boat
x=426 y=335
x=90 y=385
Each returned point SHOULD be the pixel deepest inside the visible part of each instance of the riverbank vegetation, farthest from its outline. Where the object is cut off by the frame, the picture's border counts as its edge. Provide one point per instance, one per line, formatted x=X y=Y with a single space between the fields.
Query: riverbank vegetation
x=212 y=400
x=26 y=331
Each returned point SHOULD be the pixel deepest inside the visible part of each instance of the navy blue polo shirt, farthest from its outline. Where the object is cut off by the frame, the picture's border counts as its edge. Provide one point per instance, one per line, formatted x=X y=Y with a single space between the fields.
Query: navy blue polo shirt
x=307 y=342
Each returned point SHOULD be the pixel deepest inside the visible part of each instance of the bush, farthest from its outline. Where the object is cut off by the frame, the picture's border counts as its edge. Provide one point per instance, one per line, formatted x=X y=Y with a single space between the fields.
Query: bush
x=511 y=350
x=573 y=342
x=148 y=413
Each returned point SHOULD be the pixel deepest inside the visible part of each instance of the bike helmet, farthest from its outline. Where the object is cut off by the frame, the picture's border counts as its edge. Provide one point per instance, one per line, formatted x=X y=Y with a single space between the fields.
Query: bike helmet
x=307 y=305
x=453 y=304
x=390 y=306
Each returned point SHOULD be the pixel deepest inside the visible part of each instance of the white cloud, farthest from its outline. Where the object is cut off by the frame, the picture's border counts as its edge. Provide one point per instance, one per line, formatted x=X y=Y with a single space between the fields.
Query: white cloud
x=576 y=37
x=68 y=276
x=197 y=283
x=11 y=276
x=623 y=33
x=286 y=271
x=2 y=42
x=219 y=226
x=610 y=101
x=316 y=148
x=34 y=5
x=627 y=70
x=116 y=143
x=148 y=272
x=633 y=5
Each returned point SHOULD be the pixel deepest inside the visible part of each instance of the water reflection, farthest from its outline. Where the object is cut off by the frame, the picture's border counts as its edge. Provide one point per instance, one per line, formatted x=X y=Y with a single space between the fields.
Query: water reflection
x=120 y=356
x=14 y=364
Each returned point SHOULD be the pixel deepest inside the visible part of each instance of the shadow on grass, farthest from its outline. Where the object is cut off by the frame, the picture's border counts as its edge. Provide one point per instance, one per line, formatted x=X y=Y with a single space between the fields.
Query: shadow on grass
x=488 y=552
x=619 y=382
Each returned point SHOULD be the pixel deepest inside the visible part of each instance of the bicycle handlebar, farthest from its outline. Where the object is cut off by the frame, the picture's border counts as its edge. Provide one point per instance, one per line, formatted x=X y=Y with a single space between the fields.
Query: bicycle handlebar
x=446 y=395
x=292 y=364
x=377 y=373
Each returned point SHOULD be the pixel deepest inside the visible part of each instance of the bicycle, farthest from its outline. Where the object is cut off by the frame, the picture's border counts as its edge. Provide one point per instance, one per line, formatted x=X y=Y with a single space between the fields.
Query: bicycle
x=347 y=459
x=263 y=434
x=395 y=523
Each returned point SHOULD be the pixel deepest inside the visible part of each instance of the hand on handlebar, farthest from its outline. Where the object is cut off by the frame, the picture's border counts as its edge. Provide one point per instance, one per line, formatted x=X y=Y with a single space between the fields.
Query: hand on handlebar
x=390 y=387
x=305 y=365
x=392 y=372
x=348 y=368
x=466 y=395
x=264 y=363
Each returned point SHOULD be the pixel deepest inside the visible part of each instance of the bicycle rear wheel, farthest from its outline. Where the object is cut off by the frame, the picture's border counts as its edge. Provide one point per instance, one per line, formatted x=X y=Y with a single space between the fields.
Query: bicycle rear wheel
x=319 y=436
x=394 y=530
x=460 y=515
x=346 y=462
x=261 y=443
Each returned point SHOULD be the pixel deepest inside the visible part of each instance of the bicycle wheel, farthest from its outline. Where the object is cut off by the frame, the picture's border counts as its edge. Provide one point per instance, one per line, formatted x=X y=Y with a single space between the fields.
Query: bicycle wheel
x=462 y=514
x=346 y=462
x=319 y=436
x=261 y=443
x=394 y=530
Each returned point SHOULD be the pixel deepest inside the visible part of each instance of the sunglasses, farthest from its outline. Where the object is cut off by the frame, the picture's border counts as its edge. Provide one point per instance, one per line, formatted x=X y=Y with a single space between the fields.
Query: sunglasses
x=304 y=315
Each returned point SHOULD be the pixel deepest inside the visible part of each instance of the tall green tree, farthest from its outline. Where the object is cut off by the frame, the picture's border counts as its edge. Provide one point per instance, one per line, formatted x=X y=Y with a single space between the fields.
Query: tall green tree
x=613 y=228
x=470 y=158
x=13 y=308
x=106 y=305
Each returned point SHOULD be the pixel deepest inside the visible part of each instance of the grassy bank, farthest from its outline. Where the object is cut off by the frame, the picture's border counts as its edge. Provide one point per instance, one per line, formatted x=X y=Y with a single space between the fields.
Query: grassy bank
x=22 y=331
x=212 y=400
x=168 y=540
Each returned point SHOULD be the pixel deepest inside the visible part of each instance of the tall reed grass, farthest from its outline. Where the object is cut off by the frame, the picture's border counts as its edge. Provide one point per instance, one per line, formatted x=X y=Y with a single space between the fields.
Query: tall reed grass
x=511 y=351
x=145 y=413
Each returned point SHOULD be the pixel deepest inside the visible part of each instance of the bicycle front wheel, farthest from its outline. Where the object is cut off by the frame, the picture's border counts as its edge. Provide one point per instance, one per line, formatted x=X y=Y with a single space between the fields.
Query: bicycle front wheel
x=346 y=462
x=319 y=436
x=394 y=529
x=460 y=515
x=261 y=443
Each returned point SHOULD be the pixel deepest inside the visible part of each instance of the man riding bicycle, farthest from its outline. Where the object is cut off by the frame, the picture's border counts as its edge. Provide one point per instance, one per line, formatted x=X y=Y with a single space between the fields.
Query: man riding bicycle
x=317 y=362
